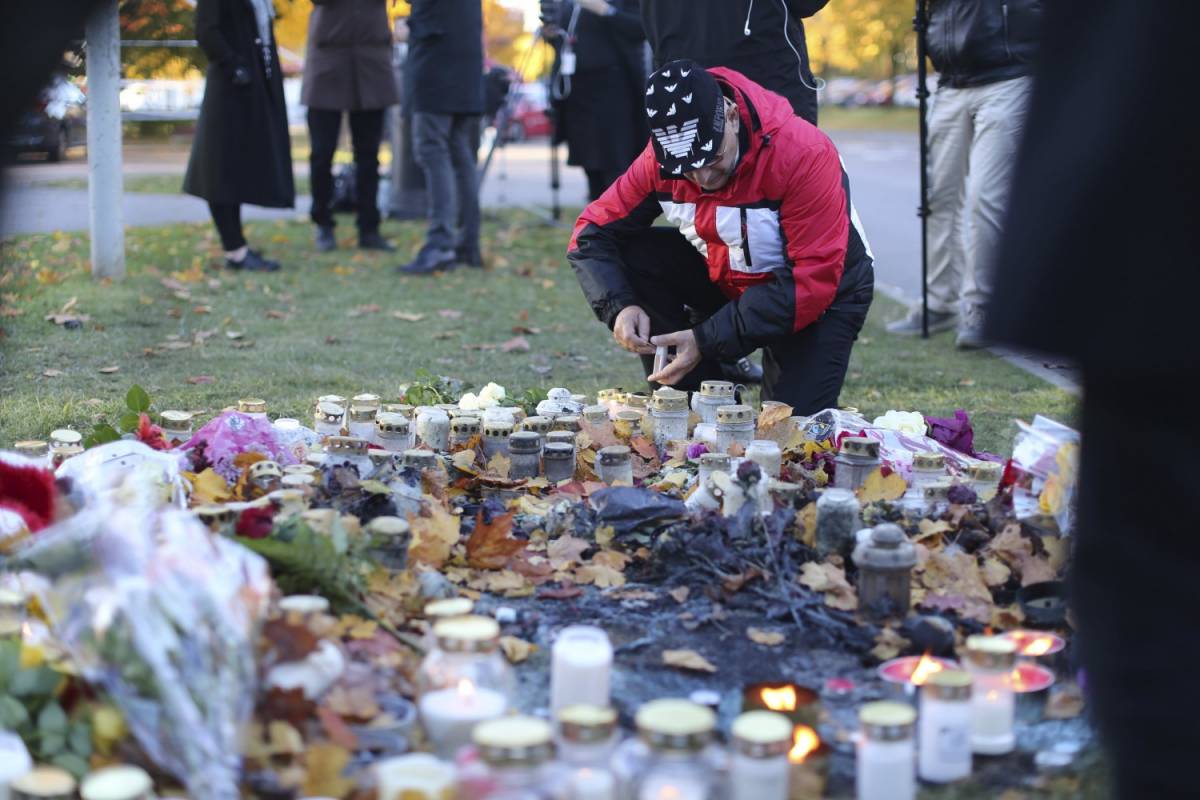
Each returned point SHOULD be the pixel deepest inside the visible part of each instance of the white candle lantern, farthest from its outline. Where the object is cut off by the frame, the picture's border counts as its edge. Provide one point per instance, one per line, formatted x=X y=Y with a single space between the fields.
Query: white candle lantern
x=990 y=661
x=581 y=668
x=416 y=776
x=677 y=733
x=463 y=681
x=885 y=768
x=760 y=768
x=944 y=728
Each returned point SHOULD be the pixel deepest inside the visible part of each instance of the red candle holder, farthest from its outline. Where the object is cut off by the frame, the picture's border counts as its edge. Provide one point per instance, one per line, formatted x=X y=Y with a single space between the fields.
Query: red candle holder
x=1035 y=644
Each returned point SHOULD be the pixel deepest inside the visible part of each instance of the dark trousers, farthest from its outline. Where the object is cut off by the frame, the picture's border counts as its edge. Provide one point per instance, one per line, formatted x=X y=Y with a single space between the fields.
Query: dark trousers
x=228 y=219
x=805 y=369
x=600 y=179
x=445 y=147
x=1133 y=585
x=366 y=129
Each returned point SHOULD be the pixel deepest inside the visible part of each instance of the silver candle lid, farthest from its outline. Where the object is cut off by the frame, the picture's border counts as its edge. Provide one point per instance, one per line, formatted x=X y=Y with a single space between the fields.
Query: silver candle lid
x=524 y=442
x=363 y=413
x=886 y=721
x=614 y=456
x=587 y=724
x=929 y=461
x=465 y=426
x=948 y=684
x=497 y=429
x=537 y=424
x=734 y=414
x=860 y=446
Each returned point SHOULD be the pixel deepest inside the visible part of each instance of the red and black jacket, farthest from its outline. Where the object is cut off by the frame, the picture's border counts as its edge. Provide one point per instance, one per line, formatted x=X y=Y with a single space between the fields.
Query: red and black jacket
x=781 y=239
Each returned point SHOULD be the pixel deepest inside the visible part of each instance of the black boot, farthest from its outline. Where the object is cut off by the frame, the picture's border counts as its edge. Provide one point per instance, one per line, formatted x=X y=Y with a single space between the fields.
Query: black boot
x=428 y=262
x=253 y=262
x=742 y=371
x=374 y=241
x=325 y=240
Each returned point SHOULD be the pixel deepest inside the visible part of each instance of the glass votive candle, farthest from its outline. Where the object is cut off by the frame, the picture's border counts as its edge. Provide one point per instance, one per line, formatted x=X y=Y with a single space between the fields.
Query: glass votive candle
x=944 y=727
x=462 y=429
x=392 y=431
x=886 y=757
x=362 y=422
x=495 y=437
x=990 y=661
x=759 y=768
x=767 y=454
x=525 y=454
x=327 y=421
x=581 y=667
x=253 y=407
x=614 y=465
x=558 y=461
x=176 y=425
x=735 y=425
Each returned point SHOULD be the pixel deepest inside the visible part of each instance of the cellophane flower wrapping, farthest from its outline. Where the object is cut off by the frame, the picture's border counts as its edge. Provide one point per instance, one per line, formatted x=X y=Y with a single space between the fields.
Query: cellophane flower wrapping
x=226 y=436
x=162 y=615
x=1044 y=472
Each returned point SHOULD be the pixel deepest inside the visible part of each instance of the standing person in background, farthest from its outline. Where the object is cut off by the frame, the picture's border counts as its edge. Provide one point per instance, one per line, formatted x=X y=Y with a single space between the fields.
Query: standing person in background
x=983 y=53
x=241 y=152
x=762 y=39
x=598 y=82
x=444 y=81
x=348 y=68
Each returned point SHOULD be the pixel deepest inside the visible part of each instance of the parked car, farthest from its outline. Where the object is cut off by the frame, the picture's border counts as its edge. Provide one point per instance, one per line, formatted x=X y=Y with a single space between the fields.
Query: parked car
x=57 y=122
x=530 y=118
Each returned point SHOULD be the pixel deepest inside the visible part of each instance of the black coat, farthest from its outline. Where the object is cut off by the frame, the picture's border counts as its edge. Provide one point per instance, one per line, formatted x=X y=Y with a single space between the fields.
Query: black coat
x=444 y=70
x=713 y=32
x=975 y=42
x=241 y=153
x=1098 y=261
x=602 y=119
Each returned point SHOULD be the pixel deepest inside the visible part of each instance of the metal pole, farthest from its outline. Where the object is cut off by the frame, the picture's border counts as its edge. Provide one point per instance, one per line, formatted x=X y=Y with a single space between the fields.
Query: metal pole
x=103 y=36
x=920 y=23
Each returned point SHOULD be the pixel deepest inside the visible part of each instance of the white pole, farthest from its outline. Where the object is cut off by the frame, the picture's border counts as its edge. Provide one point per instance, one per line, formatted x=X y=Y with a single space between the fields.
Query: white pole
x=103 y=36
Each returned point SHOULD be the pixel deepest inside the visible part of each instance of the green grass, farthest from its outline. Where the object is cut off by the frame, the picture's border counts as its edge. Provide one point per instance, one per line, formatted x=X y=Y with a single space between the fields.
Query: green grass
x=167 y=183
x=876 y=118
x=327 y=342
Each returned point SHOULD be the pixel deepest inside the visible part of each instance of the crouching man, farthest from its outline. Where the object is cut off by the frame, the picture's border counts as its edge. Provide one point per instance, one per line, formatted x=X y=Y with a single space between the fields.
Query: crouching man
x=765 y=250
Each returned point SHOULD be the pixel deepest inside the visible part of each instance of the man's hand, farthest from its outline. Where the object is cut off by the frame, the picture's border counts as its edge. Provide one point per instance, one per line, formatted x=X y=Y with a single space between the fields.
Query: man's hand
x=631 y=329
x=687 y=356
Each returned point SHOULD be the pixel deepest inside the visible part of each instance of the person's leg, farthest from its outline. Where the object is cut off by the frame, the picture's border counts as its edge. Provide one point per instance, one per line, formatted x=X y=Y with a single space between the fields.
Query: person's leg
x=323 y=129
x=1133 y=584
x=431 y=134
x=670 y=279
x=464 y=157
x=366 y=128
x=949 y=142
x=999 y=117
x=227 y=217
x=807 y=369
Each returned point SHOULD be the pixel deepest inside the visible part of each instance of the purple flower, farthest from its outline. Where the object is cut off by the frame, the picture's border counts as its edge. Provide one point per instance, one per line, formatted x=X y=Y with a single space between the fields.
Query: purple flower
x=696 y=449
x=960 y=494
x=953 y=432
x=233 y=433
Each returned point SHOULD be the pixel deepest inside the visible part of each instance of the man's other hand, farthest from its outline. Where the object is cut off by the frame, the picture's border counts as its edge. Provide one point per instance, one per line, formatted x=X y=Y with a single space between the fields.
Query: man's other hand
x=631 y=329
x=687 y=356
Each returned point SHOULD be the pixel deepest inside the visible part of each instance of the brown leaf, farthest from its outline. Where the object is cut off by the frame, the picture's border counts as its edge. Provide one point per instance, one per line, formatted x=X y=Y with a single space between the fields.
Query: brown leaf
x=889 y=644
x=764 y=637
x=877 y=488
x=806 y=524
x=197 y=380
x=613 y=559
x=567 y=591
x=830 y=580
x=276 y=314
x=449 y=313
x=323 y=764
x=202 y=309
x=643 y=447
x=289 y=642
x=286 y=704
x=773 y=416
x=1065 y=702
x=110 y=370
x=931 y=529
x=499 y=465
x=354 y=702
x=516 y=343
x=434 y=534
x=491 y=545
x=601 y=436
x=566 y=550
x=687 y=659
x=680 y=593
x=599 y=575
x=359 y=311
x=516 y=650
x=336 y=729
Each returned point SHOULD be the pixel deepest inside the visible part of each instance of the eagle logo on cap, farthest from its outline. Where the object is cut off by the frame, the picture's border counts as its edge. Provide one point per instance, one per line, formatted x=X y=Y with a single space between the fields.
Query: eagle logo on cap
x=677 y=139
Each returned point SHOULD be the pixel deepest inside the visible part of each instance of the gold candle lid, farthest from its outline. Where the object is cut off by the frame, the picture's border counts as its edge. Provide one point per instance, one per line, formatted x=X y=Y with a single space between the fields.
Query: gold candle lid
x=514 y=741
x=595 y=414
x=762 y=734
x=448 y=608
x=496 y=429
x=885 y=721
x=585 y=724
x=64 y=437
x=252 y=405
x=470 y=633
x=667 y=399
x=929 y=461
x=391 y=422
x=734 y=414
x=860 y=446
x=638 y=401
x=175 y=420
x=465 y=426
x=34 y=448
x=609 y=395
x=614 y=455
x=346 y=446
x=948 y=684
x=988 y=471
x=716 y=389
x=566 y=422
x=675 y=724
x=537 y=424
x=363 y=413
x=991 y=652
x=366 y=400
x=632 y=417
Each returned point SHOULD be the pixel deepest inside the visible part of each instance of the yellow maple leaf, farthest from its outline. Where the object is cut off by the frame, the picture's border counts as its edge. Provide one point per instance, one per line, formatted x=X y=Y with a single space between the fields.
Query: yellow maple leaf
x=764 y=637
x=433 y=536
x=464 y=461
x=687 y=659
x=600 y=575
x=208 y=487
x=806 y=525
x=499 y=465
x=877 y=488
x=323 y=766
x=516 y=650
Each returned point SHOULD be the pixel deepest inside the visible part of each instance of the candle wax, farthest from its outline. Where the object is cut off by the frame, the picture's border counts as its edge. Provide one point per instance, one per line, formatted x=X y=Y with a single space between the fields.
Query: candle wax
x=885 y=770
x=449 y=715
x=581 y=668
x=591 y=784
x=993 y=708
x=673 y=787
x=759 y=778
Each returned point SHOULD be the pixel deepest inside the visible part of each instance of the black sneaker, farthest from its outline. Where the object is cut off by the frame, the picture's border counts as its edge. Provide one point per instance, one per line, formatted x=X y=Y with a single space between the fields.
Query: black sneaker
x=428 y=262
x=373 y=241
x=471 y=258
x=742 y=371
x=253 y=262
x=325 y=240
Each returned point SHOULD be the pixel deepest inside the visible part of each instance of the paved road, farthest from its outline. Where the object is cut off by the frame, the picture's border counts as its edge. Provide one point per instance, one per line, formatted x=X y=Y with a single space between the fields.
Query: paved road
x=882 y=168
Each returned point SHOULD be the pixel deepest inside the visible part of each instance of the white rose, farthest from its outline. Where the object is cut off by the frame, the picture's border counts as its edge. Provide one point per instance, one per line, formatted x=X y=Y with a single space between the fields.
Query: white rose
x=491 y=395
x=910 y=422
x=469 y=402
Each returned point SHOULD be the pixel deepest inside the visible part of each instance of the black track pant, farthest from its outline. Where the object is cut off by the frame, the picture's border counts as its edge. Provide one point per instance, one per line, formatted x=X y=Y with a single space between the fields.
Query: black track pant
x=228 y=219
x=366 y=130
x=805 y=369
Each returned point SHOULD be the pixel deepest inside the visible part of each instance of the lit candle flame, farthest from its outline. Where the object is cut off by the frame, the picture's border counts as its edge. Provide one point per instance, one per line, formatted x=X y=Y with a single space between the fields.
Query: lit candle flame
x=781 y=699
x=1017 y=680
x=466 y=690
x=1039 y=646
x=804 y=742
x=925 y=669
x=669 y=792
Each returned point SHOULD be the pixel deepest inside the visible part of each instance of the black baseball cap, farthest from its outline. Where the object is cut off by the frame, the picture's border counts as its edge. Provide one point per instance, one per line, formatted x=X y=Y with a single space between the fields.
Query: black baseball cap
x=686 y=113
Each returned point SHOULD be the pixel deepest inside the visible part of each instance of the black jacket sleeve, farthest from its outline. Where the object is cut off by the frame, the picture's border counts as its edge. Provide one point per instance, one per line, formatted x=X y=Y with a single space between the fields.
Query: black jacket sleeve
x=210 y=37
x=628 y=206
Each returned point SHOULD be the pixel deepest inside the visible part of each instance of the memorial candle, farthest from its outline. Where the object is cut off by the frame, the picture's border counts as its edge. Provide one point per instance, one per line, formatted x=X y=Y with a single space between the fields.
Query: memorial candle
x=581 y=668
